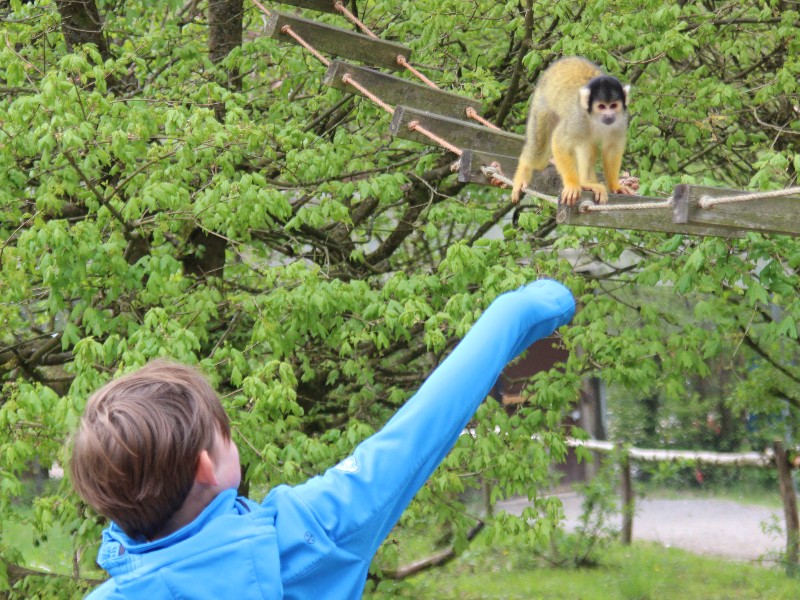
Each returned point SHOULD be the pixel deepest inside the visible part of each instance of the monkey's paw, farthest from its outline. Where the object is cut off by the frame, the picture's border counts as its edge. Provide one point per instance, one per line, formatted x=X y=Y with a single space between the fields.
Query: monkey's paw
x=516 y=191
x=599 y=190
x=626 y=190
x=496 y=181
x=629 y=181
x=570 y=194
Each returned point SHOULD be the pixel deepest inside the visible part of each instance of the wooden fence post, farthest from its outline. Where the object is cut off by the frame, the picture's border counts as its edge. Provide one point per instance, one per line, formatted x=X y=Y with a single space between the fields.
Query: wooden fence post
x=628 y=499
x=789 y=498
x=486 y=497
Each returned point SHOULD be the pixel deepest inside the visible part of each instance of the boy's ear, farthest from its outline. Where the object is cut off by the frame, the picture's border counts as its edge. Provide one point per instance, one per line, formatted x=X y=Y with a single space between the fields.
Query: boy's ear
x=205 y=470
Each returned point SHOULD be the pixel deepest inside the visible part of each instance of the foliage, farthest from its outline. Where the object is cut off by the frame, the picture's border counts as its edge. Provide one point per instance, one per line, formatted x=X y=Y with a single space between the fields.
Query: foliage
x=236 y=214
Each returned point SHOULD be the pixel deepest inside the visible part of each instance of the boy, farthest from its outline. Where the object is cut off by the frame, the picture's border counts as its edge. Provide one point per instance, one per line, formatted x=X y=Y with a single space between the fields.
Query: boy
x=154 y=454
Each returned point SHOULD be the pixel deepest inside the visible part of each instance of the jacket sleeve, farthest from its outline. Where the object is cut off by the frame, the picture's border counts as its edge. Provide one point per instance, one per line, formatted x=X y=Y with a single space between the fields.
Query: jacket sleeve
x=359 y=500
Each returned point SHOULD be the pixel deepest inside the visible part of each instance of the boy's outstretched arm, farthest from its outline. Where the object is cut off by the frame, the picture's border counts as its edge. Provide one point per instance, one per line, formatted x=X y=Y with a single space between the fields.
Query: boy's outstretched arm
x=359 y=501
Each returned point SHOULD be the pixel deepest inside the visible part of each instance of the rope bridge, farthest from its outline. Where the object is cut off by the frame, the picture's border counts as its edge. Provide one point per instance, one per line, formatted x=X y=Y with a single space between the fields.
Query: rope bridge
x=423 y=112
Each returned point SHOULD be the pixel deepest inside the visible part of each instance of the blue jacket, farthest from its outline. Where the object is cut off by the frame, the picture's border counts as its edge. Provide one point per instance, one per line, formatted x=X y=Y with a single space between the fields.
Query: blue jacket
x=316 y=540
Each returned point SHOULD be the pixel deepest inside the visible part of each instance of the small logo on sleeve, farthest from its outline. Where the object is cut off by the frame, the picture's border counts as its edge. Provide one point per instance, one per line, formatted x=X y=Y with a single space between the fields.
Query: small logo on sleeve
x=348 y=465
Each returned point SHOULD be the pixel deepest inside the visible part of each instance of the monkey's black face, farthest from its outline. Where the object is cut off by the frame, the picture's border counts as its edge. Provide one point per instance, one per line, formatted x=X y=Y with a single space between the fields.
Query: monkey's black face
x=607 y=95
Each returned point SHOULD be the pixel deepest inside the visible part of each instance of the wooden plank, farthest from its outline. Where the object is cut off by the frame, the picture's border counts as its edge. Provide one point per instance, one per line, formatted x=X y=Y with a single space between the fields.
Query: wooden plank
x=469 y=169
x=318 y=5
x=337 y=42
x=547 y=181
x=394 y=90
x=772 y=215
x=641 y=219
x=458 y=133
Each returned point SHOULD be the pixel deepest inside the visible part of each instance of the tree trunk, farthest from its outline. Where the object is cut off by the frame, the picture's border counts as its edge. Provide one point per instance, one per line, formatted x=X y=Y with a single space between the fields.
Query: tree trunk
x=224 y=29
x=81 y=24
x=224 y=34
x=207 y=257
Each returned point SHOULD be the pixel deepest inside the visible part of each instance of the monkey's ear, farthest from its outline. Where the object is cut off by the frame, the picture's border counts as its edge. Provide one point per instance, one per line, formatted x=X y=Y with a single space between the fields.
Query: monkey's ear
x=627 y=90
x=585 y=92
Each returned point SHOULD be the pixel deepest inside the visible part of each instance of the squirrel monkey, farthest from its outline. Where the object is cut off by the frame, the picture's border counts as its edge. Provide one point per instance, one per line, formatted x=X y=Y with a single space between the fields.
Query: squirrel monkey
x=574 y=109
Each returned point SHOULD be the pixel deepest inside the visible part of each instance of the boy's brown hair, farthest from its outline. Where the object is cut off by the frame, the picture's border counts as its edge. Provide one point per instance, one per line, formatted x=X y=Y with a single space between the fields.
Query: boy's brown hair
x=135 y=454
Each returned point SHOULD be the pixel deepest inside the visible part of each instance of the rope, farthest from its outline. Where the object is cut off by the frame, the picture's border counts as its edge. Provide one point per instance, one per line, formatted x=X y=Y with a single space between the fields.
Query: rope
x=415 y=126
x=343 y=9
x=473 y=114
x=493 y=173
x=261 y=6
x=289 y=31
x=346 y=79
x=589 y=206
x=401 y=60
x=711 y=202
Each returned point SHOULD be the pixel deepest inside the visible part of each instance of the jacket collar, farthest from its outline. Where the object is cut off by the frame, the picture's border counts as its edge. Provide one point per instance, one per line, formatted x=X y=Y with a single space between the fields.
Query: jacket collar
x=117 y=549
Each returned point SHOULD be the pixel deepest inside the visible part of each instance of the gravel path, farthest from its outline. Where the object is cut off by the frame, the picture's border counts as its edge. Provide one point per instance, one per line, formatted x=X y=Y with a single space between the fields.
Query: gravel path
x=705 y=526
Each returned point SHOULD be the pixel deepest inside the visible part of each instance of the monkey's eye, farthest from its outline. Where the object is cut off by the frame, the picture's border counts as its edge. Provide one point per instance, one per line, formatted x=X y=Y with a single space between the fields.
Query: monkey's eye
x=601 y=106
x=613 y=106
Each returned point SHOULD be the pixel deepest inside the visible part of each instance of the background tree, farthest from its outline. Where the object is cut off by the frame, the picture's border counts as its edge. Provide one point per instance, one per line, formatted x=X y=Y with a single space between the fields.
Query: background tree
x=173 y=183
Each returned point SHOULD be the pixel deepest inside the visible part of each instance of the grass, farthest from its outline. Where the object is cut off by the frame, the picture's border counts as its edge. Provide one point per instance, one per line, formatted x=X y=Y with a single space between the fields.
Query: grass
x=52 y=553
x=47 y=552
x=643 y=571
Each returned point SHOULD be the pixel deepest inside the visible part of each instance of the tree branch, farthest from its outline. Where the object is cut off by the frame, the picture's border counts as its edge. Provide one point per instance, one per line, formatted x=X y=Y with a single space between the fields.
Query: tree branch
x=98 y=194
x=513 y=87
x=753 y=345
x=17 y=572
x=435 y=560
